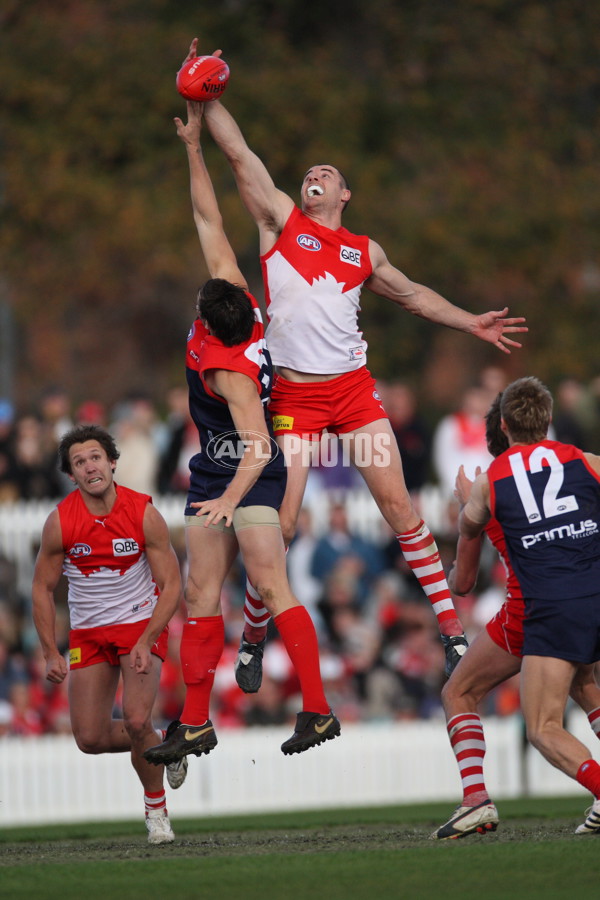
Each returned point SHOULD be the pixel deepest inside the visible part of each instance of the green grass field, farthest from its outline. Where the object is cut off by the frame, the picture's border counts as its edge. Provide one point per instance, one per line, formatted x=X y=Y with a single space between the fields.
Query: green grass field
x=375 y=853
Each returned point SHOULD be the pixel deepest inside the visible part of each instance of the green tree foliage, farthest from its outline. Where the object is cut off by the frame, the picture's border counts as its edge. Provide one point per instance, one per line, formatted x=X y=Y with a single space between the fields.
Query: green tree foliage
x=468 y=131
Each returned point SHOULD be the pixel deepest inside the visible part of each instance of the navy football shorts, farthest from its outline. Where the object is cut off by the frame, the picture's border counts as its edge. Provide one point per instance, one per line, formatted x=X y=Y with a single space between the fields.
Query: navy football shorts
x=563 y=629
x=208 y=483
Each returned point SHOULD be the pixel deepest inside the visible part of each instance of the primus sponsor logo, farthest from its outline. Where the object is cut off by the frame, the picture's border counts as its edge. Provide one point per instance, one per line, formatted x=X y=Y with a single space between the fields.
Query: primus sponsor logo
x=125 y=547
x=229 y=449
x=585 y=529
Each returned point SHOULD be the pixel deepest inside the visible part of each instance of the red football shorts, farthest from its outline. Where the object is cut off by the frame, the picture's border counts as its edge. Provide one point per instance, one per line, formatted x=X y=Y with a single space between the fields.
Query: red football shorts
x=106 y=643
x=506 y=628
x=344 y=404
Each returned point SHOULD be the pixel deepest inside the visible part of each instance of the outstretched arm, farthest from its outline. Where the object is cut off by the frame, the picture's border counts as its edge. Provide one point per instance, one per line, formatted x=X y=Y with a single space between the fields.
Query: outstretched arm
x=268 y=206
x=391 y=283
x=218 y=253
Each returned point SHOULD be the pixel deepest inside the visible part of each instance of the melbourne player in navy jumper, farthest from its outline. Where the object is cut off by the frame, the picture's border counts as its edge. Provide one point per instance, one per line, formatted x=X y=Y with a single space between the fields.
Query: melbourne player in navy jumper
x=546 y=497
x=237 y=485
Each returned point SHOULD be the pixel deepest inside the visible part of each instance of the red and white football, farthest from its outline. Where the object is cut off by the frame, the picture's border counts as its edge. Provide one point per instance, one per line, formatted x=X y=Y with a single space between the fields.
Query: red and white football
x=203 y=78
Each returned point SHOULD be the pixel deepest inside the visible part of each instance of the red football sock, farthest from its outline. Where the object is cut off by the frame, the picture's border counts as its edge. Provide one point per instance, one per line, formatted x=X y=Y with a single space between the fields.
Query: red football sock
x=422 y=555
x=202 y=643
x=300 y=639
x=588 y=775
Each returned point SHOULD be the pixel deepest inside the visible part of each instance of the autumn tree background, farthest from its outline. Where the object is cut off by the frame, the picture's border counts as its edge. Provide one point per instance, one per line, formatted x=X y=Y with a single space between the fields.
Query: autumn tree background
x=468 y=131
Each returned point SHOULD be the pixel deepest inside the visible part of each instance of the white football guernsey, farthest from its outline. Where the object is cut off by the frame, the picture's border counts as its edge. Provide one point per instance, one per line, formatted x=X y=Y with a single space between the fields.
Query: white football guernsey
x=313 y=278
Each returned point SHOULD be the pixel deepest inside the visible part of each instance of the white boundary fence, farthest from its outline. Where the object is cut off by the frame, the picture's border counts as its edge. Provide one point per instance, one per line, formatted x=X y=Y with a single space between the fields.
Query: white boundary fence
x=48 y=780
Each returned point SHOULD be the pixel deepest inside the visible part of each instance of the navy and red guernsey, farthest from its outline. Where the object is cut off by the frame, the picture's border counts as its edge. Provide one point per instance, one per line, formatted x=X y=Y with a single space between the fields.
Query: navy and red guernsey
x=546 y=498
x=214 y=467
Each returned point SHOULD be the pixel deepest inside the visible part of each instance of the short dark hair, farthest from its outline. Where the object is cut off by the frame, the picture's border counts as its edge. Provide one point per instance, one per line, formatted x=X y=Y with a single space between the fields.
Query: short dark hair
x=227 y=310
x=526 y=408
x=79 y=435
x=496 y=440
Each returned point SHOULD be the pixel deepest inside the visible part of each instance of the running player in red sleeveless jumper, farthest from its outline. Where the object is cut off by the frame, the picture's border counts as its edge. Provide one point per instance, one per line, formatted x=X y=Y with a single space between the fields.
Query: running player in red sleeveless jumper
x=314 y=270
x=124 y=586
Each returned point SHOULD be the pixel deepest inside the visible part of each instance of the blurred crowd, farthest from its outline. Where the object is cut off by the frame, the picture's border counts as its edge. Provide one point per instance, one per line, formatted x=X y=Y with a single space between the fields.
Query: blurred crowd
x=381 y=657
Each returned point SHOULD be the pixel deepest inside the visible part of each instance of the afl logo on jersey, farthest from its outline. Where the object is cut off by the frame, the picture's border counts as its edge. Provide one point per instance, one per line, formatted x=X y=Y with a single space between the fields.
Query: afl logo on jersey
x=125 y=547
x=80 y=550
x=307 y=242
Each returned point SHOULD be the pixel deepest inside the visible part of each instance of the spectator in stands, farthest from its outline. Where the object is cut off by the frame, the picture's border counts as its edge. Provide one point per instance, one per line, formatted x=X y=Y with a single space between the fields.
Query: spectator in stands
x=459 y=439
x=357 y=639
x=9 y=486
x=91 y=412
x=411 y=432
x=37 y=477
x=180 y=444
x=268 y=706
x=136 y=433
x=305 y=586
x=341 y=541
x=568 y=413
x=416 y=658
x=55 y=417
x=50 y=701
x=341 y=589
x=26 y=718
x=13 y=668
